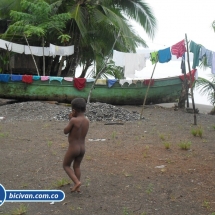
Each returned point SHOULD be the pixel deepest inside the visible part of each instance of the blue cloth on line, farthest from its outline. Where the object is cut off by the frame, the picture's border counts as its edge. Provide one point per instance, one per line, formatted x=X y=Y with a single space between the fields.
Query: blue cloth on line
x=16 y=77
x=164 y=55
x=111 y=82
x=36 y=78
x=4 y=77
x=55 y=79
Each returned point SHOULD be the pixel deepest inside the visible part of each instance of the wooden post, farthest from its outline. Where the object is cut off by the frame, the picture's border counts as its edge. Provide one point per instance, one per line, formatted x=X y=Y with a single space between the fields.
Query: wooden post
x=191 y=85
x=144 y=102
x=32 y=55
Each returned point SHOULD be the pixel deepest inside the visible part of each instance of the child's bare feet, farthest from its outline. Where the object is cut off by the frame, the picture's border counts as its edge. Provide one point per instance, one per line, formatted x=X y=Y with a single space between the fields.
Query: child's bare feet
x=76 y=187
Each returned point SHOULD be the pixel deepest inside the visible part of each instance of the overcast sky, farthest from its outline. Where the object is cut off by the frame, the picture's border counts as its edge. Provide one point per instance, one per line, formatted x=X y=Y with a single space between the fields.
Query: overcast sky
x=177 y=17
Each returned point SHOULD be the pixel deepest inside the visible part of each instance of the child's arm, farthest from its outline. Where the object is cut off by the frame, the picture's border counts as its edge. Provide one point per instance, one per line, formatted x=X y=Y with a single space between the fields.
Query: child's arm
x=69 y=127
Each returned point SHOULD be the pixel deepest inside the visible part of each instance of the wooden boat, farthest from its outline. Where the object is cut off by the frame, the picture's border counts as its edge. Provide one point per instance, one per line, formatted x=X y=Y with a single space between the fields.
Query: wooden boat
x=163 y=90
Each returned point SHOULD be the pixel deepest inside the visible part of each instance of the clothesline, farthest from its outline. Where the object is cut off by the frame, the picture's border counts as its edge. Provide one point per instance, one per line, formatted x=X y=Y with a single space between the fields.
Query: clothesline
x=131 y=60
x=52 y=50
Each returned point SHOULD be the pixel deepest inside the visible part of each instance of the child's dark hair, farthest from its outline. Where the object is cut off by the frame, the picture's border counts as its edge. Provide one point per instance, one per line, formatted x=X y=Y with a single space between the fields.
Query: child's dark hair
x=79 y=104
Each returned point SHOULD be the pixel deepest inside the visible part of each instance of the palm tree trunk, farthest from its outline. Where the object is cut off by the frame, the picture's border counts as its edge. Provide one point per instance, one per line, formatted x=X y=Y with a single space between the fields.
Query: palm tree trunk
x=61 y=65
x=84 y=71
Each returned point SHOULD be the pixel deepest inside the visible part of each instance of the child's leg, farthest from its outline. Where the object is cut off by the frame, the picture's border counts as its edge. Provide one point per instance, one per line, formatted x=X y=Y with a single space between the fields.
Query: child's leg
x=66 y=165
x=76 y=166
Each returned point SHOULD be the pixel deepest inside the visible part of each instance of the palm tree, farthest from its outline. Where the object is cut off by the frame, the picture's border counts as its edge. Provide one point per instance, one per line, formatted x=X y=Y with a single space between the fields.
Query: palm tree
x=95 y=25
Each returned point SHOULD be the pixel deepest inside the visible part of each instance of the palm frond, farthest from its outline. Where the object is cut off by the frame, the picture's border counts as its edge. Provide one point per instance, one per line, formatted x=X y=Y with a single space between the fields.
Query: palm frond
x=206 y=88
x=139 y=11
x=77 y=13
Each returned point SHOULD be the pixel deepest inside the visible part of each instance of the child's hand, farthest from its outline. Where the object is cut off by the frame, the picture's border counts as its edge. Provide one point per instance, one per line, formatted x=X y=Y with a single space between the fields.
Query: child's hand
x=70 y=115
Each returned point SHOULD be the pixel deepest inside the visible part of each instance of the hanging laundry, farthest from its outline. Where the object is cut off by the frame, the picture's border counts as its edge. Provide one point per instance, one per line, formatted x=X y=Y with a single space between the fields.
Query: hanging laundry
x=206 y=53
x=5 y=44
x=164 y=55
x=51 y=78
x=27 y=79
x=154 y=57
x=140 y=61
x=16 y=77
x=101 y=82
x=178 y=49
x=119 y=58
x=61 y=50
x=17 y=48
x=183 y=65
x=111 y=82
x=32 y=50
x=37 y=51
x=36 y=78
x=133 y=62
x=68 y=79
x=213 y=63
x=149 y=82
x=135 y=81
x=79 y=83
x=90 y=80
x=4 y=77
x=44 y=78
x=195 y=49
x=122 y=81
x=188 y=76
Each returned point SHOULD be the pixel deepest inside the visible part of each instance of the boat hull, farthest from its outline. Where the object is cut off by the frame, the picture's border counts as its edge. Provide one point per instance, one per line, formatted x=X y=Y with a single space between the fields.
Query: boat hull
x=163 y=90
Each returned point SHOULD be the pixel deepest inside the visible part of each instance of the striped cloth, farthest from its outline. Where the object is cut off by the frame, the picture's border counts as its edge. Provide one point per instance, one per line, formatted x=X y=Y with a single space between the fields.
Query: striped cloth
x=178 y=49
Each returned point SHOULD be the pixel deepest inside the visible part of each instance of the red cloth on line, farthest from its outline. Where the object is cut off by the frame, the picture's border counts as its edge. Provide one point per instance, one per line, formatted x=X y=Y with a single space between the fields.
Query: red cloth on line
x=27 y=79
x=79 y=83
x=178 y=49
x=193 y=72
x=147 y=81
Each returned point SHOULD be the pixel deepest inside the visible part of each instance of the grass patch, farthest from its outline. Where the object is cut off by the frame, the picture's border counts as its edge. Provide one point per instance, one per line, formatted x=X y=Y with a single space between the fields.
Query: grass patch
x=87 y=182
x=197 y=132
x=206 y=204
x=162 y=137
x=21 y=210
x=61 y=182
x=145 y=152
x=167 y=145
x=3 y=134
x=113 y=135
x=185 y=145
x=149 y=189
x=50 y=143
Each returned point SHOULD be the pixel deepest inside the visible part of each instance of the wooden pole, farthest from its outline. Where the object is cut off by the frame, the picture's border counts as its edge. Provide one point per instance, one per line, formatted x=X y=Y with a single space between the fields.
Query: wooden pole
x=191 y=84
x=32 y=55
x=144 y=102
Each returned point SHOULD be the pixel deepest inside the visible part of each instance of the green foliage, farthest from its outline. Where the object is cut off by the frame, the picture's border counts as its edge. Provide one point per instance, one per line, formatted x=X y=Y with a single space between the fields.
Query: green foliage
x=197 y=132
x=21 y=210
x=37 y=19
x=167 y=145
x=207 y=88
x=185 y=145
x=162 y=137
x=61 y=182
x=149 y=188
x=194 y=132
